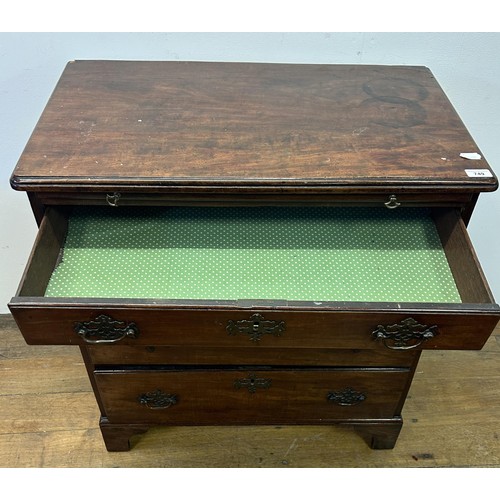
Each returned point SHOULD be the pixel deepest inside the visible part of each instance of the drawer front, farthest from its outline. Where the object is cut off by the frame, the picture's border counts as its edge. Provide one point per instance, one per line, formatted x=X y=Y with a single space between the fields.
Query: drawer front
x=179 y=355
x=249 y=396
x=356 y=329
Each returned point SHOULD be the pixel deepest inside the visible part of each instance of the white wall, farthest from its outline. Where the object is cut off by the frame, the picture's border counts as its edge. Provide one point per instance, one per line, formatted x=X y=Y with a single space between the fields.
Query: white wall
x=466 y=65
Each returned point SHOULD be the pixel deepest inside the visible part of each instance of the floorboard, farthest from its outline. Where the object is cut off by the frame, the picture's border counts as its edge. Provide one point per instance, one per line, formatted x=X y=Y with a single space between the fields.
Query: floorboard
x=49 y=418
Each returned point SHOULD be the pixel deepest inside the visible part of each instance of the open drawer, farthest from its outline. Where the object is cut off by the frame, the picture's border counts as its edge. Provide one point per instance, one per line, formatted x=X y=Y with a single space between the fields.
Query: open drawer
x=316 y=277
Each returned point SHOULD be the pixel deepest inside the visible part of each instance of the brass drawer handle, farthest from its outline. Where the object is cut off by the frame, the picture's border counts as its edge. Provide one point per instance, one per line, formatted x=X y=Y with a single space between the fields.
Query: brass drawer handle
x=157 y=400
x=346 y=397
x=252 y=383
x=256 y=326
x=105 y=330
x=112 y=199
x=393 y=202
x=408 y=334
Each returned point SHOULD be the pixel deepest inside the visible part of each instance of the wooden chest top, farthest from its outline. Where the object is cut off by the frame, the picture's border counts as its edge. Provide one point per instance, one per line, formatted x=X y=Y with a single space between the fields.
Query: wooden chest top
x=171 y=125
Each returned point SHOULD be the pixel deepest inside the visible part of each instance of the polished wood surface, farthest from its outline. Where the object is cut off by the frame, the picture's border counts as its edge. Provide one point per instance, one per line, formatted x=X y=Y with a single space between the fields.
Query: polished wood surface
x=247 y=354
x=458 y=327
x=251 y=395
x=150 y=125
x=48 y=421
x=462 y=258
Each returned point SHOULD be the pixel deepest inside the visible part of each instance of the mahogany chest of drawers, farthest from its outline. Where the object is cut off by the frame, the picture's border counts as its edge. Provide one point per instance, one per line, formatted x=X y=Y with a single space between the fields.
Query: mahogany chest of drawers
x=236 y=243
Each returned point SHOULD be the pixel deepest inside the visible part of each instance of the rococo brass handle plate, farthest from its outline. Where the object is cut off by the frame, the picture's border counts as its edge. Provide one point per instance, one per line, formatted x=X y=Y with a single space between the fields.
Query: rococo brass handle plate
x=157 y=400
x=252 y=383
x=408 y=334
x=106 y=330
x=346 y=397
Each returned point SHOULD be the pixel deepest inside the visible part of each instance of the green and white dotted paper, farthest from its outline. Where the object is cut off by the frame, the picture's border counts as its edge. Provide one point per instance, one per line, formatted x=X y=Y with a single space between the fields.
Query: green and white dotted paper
x=277 y=253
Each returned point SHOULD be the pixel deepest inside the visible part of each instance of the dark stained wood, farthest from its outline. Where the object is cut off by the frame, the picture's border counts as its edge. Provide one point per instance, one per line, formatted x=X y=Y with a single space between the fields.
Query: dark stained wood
x=247 y=355
x=151 y=124
x=117 y=437
x=309 y=196
x=458 y=328
x=462 y=258
x=209 y=397
x=467 y=210
x=44 y=255
x=379 y=435
x=37 y=207
x=409 y=380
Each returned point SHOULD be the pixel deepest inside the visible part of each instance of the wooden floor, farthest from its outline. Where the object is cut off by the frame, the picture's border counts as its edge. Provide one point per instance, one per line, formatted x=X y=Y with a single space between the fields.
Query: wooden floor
x=49 y=418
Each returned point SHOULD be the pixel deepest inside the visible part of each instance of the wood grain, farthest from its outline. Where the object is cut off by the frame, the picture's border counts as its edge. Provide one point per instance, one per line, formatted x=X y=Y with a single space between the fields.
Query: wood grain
x=451 y=420
x=205 y=396
x=341 y=326
x=146 y=125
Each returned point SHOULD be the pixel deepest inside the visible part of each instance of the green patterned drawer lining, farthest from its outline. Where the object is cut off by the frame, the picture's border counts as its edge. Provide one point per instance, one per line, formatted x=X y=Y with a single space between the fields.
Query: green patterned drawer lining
x=276 y=253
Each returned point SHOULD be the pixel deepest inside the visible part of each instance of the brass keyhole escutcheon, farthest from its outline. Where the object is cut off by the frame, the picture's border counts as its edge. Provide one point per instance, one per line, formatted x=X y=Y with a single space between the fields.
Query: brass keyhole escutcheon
x=256 y=327
x=252 y=383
